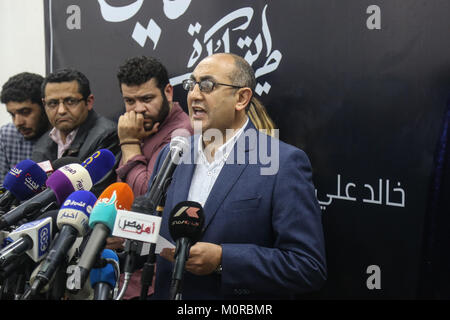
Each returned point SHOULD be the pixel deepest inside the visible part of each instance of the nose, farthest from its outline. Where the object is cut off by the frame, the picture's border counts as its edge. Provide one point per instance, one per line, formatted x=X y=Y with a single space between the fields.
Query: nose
x=195 y=93
x=61 y=108
x=19 y=120
x=140 y=107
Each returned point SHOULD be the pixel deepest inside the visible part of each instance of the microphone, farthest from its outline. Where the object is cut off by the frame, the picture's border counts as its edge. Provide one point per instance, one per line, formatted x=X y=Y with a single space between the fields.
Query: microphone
x=118 y=196
x=137 y=226
x=104 y=280
x=178 y=145
x=72 y=222
x=185 y=227
x=62 y=183
x=32 y=238
x=49 y=167
x=22 y=182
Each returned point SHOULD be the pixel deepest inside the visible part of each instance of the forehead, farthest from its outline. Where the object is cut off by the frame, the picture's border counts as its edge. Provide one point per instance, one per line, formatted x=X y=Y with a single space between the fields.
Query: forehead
x=218 y=67
x=14 y=106
x=62 y=89
x=146 y=88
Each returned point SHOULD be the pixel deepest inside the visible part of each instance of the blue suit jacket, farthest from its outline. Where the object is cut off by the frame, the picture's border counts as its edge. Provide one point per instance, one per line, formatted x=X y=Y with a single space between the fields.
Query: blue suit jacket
x=269 y=226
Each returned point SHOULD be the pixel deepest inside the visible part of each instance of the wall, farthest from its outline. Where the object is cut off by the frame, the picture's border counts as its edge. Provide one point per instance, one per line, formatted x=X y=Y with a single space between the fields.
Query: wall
x=22 y=41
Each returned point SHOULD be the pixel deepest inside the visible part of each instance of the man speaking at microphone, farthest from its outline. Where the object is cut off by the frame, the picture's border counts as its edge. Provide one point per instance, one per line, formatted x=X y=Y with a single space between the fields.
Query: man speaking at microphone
x=151 y=119
x=262 y=235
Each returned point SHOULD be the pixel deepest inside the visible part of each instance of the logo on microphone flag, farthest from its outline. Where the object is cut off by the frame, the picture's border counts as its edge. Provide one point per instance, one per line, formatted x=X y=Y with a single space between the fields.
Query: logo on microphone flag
x=190 y=211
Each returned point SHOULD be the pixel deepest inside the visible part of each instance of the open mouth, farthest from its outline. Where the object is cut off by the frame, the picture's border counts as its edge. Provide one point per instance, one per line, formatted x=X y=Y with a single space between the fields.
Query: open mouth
x=198 y=113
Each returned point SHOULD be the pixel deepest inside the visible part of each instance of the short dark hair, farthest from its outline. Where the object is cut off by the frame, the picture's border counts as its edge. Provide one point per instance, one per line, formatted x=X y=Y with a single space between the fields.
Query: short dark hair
x=68 y=75
x=21 y=87
x=139 y=70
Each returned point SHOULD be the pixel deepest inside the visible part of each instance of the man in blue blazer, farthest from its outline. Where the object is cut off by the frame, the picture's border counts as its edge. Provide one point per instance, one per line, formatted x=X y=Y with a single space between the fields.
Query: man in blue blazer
x=262 y=237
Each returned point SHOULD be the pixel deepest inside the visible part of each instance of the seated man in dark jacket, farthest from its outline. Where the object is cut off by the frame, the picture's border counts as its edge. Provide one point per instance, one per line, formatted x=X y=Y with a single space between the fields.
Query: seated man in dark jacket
x=78 y=131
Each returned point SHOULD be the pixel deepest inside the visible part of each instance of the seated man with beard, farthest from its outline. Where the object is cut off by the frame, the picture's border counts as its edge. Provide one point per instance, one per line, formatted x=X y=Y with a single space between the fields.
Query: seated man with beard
x=150 y=120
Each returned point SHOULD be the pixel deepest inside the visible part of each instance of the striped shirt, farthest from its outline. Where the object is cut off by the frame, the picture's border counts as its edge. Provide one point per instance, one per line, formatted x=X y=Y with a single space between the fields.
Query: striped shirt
x=13 y=148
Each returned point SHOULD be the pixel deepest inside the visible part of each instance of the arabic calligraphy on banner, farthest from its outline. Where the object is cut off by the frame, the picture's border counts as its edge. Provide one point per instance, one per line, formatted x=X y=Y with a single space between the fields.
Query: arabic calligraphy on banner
x=380 y=195
x=207 y=40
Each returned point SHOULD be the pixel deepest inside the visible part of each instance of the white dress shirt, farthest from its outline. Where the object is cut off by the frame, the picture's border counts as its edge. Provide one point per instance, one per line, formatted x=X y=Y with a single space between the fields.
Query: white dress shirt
x=205 y=173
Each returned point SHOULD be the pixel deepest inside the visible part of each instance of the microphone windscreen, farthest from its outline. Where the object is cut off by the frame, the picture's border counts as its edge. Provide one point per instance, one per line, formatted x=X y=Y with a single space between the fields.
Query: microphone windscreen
x=142 y=204
x=99 y=164
x=179 y=142
x=76 y=210
x=107 y=273
x=186 y=221
x=67 y=179
x=25 y=180
x=179 y=145
x=117 y=196
x=61 y=162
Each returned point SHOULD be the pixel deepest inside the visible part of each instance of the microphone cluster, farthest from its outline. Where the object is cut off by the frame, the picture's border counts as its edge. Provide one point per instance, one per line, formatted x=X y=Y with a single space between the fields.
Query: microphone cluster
x=53 y=230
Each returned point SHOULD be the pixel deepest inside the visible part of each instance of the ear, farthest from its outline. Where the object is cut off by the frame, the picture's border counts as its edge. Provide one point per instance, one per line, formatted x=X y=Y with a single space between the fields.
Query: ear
x=244 y=97
x=168 y=91
x=90 y=102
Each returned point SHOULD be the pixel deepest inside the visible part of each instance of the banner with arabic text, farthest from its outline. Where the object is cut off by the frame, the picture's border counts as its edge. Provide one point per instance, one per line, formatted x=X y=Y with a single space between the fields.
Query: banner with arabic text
x=360 y=86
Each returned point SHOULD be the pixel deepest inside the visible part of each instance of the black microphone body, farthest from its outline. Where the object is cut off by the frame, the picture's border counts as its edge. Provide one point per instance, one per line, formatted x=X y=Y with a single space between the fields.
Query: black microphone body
x=185 y=226
x=156 y=199
x=143 y=205
x=14 y=250
x=6 y=200
x=27 y=208
x=20 y=246
x=102 y=291
x=92 y=251
x=14 y=266
x=181 y=255
x=163 y=178
x=55 y=257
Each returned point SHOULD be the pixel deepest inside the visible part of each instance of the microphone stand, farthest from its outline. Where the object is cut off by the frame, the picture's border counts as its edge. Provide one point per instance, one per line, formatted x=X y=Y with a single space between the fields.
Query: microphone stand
x=159 y=186
x=148 y=270
x=181 y=255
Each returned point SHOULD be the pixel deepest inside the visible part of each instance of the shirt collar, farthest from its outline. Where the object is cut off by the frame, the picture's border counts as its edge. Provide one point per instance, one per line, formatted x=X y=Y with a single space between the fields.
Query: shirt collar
x=55 y=135
x=224 y=150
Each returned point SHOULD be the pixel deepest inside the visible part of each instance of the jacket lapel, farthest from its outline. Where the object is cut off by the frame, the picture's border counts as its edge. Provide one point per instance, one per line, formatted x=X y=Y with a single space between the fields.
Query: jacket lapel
x=227 y=178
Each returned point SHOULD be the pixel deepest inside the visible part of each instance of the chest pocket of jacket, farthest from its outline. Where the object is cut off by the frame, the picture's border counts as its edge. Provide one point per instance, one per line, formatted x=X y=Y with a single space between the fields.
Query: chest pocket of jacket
x=246 y=204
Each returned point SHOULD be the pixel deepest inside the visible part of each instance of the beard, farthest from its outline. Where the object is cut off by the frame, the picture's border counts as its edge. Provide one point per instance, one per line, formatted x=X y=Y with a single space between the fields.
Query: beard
x=42 y=126
x=162 y=115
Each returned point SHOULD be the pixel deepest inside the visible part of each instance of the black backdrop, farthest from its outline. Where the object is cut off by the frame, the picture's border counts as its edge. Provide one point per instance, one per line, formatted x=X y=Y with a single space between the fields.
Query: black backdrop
x=360 y=85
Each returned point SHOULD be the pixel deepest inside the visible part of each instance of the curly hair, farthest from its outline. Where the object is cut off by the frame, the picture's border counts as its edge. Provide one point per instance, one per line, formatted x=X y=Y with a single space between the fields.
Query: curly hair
x=139 y=70
x=21 y=87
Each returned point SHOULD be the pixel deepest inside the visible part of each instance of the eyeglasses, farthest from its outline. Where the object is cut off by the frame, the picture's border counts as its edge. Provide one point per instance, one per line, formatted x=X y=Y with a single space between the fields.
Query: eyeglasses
x=204 y=85
x=67 y=102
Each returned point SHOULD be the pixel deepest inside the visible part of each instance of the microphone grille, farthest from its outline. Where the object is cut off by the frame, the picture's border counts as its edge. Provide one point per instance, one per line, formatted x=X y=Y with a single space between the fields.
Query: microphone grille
x=179 y=142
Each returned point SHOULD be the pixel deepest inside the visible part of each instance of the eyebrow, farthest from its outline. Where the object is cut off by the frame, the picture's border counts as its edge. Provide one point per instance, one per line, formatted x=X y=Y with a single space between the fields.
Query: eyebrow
x=22 y=109
x=149 y=95
x=203 y=78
